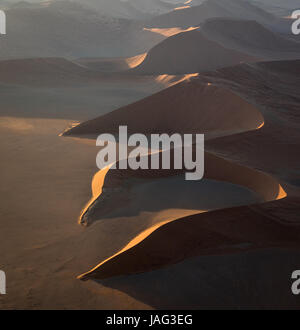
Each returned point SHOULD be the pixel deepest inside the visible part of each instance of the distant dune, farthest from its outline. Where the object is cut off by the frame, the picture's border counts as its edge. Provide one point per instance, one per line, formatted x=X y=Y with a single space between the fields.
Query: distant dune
x=277 y=7
x=209 y=9
x=67 y=29
x=189 y=52
x=168 y=32
x=44 y=71
x=250 y=37
x=112 y=64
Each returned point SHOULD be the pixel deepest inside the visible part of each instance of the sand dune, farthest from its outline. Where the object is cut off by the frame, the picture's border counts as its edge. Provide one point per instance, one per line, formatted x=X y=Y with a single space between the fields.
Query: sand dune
x=277 y=7
x=251 y=38
x=169 y=32
x=259 y=226
x=60 y=72
x=209 y=9
x=68 y=29
x=30 y=71
x=59 y=88
x=188 y=107
x=189 y=52
x=112 y=64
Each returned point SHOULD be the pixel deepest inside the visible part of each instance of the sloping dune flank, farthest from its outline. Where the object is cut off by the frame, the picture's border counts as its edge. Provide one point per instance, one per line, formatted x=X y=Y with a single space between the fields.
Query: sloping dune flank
x=237 y=229
x=188 y=107
x=209 y=9
x=250 y=37
x=36 y=71
x=128 y=260
x=112 y=64
x=189 y=52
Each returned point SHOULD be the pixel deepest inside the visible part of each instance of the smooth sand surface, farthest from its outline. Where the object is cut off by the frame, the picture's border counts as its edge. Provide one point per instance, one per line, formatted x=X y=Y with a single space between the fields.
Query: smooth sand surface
x=199 y=282
x=45 y=182
x=44 y=248
x=189 y=52
x=188 y=107
x=251 y=38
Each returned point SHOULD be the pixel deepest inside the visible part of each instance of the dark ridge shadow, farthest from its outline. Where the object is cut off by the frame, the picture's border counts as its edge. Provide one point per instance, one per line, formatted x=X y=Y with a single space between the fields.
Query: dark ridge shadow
x=255 y=280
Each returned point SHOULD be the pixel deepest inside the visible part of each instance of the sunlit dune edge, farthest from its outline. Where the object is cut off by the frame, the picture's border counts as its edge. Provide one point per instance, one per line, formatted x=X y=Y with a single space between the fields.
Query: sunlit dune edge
x=134 y=61
x=183 y=7
x=168 y=32
x=262 y=183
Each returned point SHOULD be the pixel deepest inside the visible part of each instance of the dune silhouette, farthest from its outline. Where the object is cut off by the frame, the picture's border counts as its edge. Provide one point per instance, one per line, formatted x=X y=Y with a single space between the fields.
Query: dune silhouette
x=198 y=234
x=189 y=52
x=187 y=107
x=193 y=16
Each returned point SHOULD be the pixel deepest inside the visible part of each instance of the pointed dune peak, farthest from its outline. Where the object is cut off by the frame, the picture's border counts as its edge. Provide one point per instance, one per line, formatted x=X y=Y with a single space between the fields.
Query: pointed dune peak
x=188 y=107
x=189 y=52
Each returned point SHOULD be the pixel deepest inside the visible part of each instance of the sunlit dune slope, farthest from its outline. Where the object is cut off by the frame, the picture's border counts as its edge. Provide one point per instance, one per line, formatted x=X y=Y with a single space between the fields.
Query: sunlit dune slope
x=112 y=64
x=215 y=168
x=169 y=32
x=189 y=52
x=188 y=107
x=274 y=87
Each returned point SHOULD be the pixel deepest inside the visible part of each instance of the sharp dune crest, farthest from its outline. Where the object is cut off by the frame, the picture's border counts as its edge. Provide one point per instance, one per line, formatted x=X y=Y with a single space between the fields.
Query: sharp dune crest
x=157 y=241
x=189 y=52
x=187 y=107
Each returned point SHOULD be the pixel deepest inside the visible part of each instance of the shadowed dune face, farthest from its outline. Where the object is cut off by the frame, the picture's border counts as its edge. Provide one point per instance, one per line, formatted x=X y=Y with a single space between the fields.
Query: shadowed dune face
x=188 y=107
x=198 y=282
x=215 y=169
x=68 y=29
x=277 y=7
x=209 y=9
x=189 y=52
x=60 y=88
x=250 y=37
x=255 y=227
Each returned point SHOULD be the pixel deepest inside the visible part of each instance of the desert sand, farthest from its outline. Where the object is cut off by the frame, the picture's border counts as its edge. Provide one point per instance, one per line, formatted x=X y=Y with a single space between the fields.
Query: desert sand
x=189 y=52
x=76 y=237
x=263 y=226
x=251 y=38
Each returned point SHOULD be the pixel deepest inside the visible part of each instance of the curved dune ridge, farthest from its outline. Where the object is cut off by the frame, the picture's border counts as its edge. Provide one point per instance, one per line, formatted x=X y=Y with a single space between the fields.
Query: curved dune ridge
x=189 y=52
x=127 y=260
x=169 y=32
x=270 y=224
x=112 y=64
x=187 y=107
x=212 y=99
